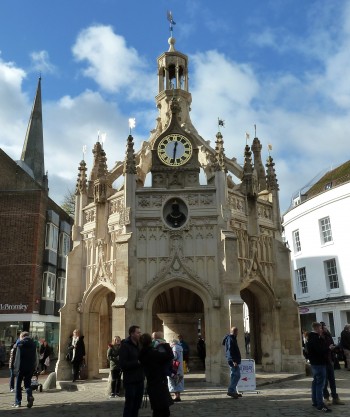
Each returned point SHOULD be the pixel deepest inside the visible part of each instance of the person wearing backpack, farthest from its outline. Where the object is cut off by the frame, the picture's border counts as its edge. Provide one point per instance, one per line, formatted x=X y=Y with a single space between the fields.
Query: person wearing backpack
x=114 y=366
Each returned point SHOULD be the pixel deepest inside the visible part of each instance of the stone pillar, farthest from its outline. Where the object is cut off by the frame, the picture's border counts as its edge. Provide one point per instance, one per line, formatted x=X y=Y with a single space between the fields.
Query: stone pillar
x=185 y=324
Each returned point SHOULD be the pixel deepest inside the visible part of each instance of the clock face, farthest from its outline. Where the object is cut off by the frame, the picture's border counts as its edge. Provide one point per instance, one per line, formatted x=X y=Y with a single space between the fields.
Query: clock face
x=174 y=150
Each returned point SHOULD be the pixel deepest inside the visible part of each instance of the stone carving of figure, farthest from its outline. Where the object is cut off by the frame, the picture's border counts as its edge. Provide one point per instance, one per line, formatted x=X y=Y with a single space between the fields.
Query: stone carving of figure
x=176 y=218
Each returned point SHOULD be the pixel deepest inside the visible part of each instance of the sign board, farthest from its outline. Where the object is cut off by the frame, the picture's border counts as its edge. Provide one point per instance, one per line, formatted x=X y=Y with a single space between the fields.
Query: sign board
x=303 y=310
x=248 y=379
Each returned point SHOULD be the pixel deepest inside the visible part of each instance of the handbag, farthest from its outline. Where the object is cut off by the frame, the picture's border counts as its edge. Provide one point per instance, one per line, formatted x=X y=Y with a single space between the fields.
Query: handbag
x=47 y=361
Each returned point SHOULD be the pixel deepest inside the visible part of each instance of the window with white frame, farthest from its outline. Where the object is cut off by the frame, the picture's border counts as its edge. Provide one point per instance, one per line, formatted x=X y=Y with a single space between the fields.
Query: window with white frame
x=296 y=241
x=51 y=241
x=64 y=246
x=48 y=288
x=332 y=274
x=60 y=290
x=302 y=281
x=326 y=230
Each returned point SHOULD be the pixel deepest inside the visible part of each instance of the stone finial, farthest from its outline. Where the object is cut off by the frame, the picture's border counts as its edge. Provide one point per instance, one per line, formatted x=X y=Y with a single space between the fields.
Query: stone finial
x=81 y=187
x=99 y=169
x=249 y=177
x=130 y=161
x=258 y=164
x=219 y=159
x=271 y=178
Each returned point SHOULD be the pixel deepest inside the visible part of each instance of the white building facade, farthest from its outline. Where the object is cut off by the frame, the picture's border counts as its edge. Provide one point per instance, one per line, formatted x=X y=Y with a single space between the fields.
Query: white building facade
x=317 y=231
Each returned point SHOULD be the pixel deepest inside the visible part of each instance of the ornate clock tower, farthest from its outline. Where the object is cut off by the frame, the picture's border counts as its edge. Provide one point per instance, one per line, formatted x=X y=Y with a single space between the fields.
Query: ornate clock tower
x=182 y=256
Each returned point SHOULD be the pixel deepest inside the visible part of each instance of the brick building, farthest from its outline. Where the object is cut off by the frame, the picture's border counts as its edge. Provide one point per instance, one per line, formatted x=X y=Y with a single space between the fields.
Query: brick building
x=35 y=239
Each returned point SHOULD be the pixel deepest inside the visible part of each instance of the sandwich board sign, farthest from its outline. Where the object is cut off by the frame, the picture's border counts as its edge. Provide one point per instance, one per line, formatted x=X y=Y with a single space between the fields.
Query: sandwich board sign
x=248 y=379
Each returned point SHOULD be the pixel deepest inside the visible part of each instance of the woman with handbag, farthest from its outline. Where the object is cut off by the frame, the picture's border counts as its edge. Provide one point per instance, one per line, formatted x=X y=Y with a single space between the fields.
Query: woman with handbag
x=76 y=350
x=176 y=381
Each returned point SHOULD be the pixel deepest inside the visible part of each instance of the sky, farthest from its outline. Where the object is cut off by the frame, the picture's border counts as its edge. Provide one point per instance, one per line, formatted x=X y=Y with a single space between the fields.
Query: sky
x=282 y=65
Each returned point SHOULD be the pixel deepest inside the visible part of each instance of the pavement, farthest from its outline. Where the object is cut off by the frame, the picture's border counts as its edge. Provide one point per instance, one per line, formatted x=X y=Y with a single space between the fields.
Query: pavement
x=277 y=395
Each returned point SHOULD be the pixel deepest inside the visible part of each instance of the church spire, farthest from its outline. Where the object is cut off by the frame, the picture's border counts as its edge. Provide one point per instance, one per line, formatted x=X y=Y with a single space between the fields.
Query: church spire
x=33 y=148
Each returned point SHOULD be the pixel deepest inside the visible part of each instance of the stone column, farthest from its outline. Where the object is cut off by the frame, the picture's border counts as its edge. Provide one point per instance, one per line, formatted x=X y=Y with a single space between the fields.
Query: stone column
x=185 y=324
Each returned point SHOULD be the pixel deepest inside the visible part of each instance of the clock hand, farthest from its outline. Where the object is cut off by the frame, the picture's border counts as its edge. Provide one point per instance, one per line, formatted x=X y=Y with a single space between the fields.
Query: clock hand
x=174 y=152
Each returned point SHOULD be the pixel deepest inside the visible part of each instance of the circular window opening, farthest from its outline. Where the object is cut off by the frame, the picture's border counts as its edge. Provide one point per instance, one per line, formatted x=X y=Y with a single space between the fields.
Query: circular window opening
x=175 y=213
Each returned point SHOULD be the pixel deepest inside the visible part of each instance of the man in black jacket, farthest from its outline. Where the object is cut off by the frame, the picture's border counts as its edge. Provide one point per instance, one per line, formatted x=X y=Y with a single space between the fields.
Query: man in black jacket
x=330 y=370
x=26 y=362
x=233 y=356
x=132 y=371
x=318 y=350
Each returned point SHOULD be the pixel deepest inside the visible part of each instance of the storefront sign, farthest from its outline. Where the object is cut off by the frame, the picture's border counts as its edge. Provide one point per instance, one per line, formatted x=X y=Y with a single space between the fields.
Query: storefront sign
x=10 y=307
x=303 y=310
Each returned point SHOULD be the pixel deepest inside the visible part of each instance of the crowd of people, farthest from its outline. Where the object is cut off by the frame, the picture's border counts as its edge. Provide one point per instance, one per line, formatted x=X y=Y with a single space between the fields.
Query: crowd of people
x=321 y=353
x=162 y=364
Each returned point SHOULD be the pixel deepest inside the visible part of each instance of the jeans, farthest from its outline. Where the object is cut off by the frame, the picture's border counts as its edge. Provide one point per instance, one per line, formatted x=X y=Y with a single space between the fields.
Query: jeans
x=331 y=379
x=235 y=374
x=12 y=379
x=319 y=373
x=27 y=378
x=133 y=398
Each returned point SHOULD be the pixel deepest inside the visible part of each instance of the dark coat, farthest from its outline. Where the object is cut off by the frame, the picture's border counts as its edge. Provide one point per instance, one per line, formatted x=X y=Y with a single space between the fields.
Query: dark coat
x=129 y=362
x=232 y=351
x=113 y=356
x=26 y=360
x=317 y=349
x=79 y=350
x=345 y=339
x=153 y=362
x=45 y=351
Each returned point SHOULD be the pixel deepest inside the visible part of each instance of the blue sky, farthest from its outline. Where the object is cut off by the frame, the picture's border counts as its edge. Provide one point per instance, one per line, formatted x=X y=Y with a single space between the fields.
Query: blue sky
x=281 y=64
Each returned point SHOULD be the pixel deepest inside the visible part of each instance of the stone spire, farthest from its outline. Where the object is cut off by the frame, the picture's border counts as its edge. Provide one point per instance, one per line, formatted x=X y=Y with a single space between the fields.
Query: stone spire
x=81 y=187
x=33 y=148
x=130 y=162
x=259 y=167
x=249 y=177
x=219 y=164
x=271 y=178
x=99 y=174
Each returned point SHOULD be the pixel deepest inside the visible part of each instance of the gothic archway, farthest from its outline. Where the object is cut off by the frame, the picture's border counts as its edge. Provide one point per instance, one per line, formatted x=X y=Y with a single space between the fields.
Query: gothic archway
x=261 y=321
x=178 y=310
x=97 y=324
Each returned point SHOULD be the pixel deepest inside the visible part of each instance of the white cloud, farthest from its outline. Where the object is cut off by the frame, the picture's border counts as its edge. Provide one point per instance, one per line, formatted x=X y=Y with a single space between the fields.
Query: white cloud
x=112 y=64
x=14 y=108
x=41 y=62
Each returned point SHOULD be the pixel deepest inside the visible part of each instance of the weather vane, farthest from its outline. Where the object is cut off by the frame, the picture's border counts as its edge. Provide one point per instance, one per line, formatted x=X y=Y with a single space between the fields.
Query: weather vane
x=84 y=151
x=132 y=123
x=247 y=137
x=171 y=21
x=101 y=137
x=269 y=148
x=220 y=123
